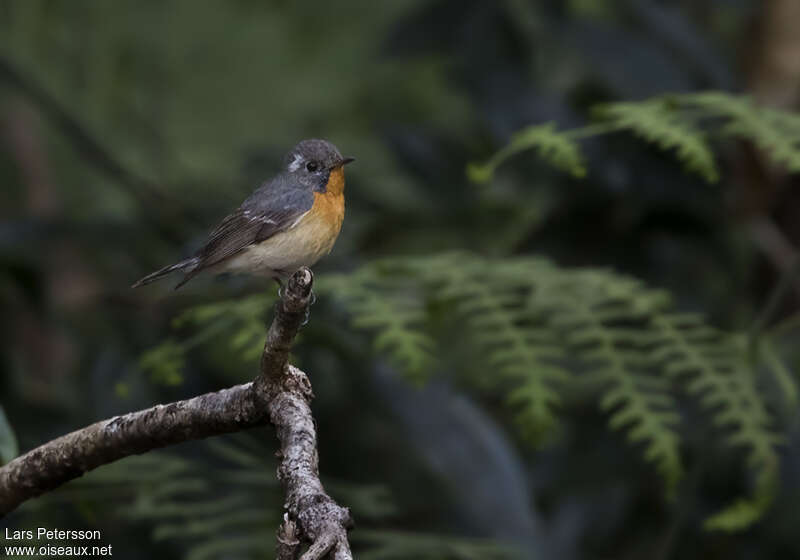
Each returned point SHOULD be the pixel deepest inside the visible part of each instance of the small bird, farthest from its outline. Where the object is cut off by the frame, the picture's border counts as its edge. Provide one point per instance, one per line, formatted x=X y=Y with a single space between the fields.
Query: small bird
x=290 y=221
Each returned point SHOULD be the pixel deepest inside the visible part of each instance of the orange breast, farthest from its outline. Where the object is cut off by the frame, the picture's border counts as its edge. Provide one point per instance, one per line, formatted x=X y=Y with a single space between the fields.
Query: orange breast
x=328 y=211
x=320 y=227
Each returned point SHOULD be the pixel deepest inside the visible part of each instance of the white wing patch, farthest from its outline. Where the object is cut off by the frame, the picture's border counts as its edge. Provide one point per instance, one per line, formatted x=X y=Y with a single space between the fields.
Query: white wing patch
x=250 y=216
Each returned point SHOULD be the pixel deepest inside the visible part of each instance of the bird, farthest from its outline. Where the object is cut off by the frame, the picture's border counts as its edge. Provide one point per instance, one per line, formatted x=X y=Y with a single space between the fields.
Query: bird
x=290 y=221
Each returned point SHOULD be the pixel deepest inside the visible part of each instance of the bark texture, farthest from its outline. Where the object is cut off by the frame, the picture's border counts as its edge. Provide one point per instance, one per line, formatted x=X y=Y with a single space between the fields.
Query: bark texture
x=69 y=456
x=280 y=394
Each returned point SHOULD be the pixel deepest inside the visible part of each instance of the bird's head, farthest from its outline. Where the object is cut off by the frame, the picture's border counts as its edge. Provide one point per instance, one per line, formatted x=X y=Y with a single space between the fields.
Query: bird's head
x=311 y=161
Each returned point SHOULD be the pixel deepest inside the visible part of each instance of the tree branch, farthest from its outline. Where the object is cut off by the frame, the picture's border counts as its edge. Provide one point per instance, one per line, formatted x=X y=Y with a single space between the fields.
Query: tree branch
x=280 y=394
x=62 y=459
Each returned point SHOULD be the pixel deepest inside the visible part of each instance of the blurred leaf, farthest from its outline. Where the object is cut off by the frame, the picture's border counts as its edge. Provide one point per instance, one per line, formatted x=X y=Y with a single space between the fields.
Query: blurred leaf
x=538 y=326
x=8 y=441
x=744 y=512
x=231 y=505
x=662 y=123
x=399 y=545
x=556 y=148
x=676 y=121
x=122 y=390
x=775 y=132
x=783 y=377
x=165 y=363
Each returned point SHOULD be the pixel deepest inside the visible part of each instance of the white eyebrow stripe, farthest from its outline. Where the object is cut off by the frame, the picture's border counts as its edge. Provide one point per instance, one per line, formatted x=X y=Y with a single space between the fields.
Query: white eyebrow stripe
x=296 y=162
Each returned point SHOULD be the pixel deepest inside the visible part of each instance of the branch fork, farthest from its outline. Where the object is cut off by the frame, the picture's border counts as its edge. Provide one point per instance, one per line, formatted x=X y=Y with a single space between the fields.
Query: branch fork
x=281 y=394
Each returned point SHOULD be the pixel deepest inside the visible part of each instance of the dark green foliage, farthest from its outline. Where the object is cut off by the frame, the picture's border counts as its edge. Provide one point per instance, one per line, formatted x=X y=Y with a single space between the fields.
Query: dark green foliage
x=230 y=504
x=8 y=442
x=165 y=363
x=660 y=122
x=776 y=133
x=394 y=313
x=197 y=102
x=682 y=123
x=191 y=504
x=542 y=332
x=716 y=369
x=397 y=545
x=621 y=337
x=556 y=148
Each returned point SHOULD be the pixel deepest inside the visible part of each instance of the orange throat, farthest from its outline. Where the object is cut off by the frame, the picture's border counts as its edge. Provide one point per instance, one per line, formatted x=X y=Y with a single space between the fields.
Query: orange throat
x=328 y=208
x=335 y=184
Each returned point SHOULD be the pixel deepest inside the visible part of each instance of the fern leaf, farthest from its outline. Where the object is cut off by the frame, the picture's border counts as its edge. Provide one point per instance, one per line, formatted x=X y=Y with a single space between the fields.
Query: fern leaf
x=535 y=324
x=589 y=306
x=395 y=317
x=729 y=393
x=552 y=146
x=775 y=133
x=516 y=350
x=680 y=122
x=165 y=363
x=780 y=373
x=212 y=516
x=746 y=511
x=658 y=122
x=537 y=328
x=555 y=147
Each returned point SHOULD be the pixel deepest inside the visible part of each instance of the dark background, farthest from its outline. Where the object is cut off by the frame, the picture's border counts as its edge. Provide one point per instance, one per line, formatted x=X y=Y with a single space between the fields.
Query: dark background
x=128 y=128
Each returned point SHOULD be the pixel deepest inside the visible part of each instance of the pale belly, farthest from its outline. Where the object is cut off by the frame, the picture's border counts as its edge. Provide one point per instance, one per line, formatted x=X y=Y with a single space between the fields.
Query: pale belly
x=283 y=253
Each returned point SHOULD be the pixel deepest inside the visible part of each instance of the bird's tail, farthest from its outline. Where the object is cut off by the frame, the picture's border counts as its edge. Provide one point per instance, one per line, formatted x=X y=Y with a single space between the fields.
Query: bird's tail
x=185 y=265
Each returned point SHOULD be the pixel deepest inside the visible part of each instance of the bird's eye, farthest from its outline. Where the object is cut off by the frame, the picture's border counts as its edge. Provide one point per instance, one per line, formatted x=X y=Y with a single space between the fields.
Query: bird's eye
x=311 y=166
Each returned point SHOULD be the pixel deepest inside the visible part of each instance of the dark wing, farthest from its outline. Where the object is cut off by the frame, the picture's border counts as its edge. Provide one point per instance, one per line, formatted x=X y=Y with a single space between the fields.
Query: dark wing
x=273 y=208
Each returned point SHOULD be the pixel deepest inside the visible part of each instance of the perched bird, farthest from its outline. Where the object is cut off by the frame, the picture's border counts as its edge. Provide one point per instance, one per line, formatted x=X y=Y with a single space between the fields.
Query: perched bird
x=290 y=221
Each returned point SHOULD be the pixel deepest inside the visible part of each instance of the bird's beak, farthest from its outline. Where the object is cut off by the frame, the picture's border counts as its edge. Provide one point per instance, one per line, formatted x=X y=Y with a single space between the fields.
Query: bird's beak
x=347 y=160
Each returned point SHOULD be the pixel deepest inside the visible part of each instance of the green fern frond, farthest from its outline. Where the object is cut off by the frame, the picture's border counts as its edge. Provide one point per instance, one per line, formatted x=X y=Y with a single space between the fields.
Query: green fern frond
x=680 y=122
x=552 y=146
x=538 y=331
x=746 y=511
x=636 y=398
x=710 y=365
x=539 y=328
x=216 y=511
x=518 y=351
x=382 y=306
x=491 y=304
x=556 y=148
x=661 y=123
x=775 y=133
x=523 y=315
x=241 y=319
x=165 y=363
x=783 y=378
